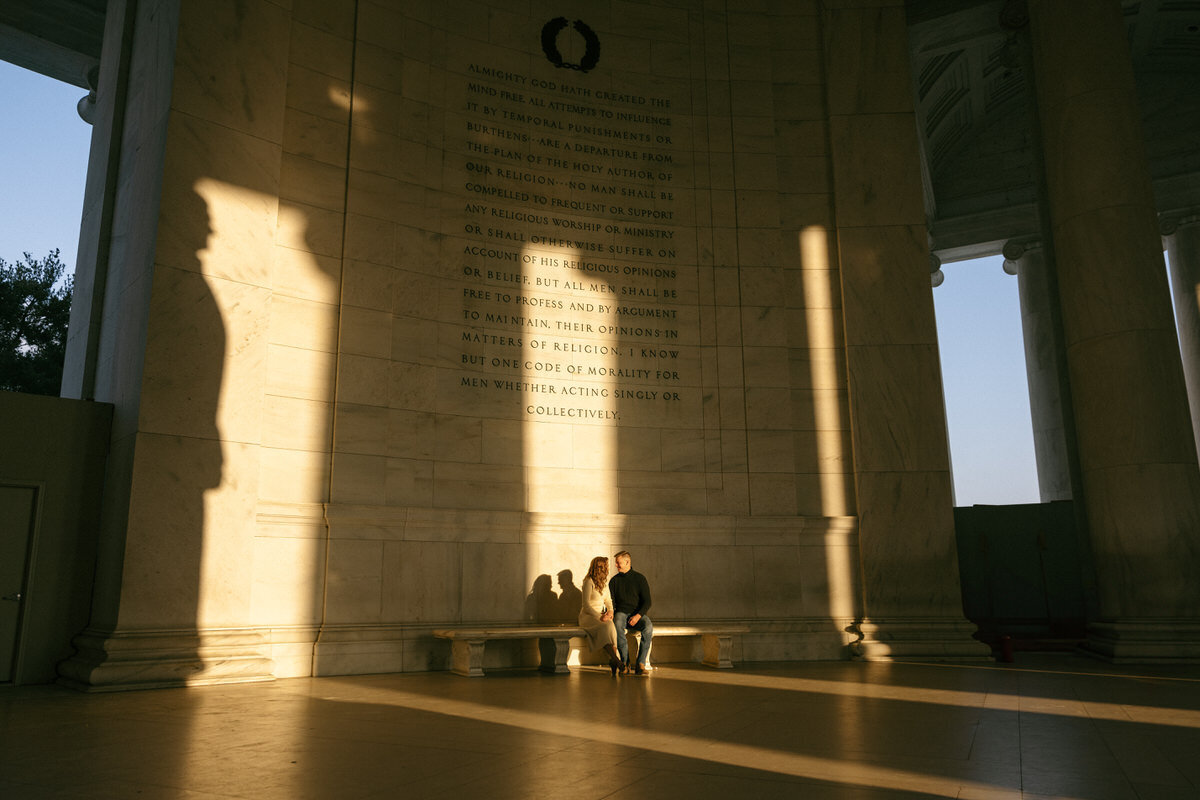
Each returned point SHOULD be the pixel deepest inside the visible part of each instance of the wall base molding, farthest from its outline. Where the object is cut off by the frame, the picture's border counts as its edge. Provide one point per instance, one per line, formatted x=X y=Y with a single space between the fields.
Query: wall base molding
x=1144 y=641
x=121 y=660
x=919 y=639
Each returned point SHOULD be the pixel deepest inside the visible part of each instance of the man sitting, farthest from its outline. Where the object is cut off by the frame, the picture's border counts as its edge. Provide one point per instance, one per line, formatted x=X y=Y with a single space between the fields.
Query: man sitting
x=631 y=600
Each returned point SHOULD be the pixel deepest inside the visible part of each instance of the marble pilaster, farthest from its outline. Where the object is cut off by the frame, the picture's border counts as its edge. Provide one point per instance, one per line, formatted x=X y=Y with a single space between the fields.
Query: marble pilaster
x=1139 y=479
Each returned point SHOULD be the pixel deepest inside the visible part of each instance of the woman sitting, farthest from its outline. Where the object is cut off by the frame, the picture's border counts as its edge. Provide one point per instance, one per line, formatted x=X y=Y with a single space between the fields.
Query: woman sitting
x=595 y=616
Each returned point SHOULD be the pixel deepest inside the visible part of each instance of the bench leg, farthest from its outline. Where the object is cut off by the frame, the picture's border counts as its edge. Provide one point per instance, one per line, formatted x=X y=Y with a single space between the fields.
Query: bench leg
x=554 y=654
x=466 y=657
x=718 y=650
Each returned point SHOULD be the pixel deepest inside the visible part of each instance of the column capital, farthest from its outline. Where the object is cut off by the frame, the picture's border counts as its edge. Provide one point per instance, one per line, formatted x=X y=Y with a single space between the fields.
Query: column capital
x=86 y=107
x=1015 y=249
x=1172 y=221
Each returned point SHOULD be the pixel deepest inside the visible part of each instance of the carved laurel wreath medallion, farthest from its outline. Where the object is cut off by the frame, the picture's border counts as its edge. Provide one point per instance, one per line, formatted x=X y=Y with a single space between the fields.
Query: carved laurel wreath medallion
x=591 y=54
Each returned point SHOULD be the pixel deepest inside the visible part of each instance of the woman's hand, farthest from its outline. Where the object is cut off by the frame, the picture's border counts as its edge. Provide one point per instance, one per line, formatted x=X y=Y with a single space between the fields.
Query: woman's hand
x=606 y=616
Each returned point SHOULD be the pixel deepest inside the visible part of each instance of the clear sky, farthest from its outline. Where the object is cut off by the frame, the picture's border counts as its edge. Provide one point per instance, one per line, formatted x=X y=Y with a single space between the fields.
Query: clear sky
x=43 y=163
x=983 y=376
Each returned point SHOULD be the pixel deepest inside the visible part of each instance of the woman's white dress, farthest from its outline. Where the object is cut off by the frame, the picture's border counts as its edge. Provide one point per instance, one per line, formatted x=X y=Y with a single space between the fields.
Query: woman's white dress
x=595 y=603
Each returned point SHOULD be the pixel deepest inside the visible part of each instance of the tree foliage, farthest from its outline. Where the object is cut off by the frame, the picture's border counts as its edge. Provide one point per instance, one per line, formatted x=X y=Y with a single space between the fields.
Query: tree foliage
x=35 y=307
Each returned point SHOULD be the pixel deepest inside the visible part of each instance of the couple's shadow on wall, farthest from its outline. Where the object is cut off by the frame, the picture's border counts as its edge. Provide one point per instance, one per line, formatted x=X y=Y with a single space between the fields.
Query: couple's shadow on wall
x=543 y=604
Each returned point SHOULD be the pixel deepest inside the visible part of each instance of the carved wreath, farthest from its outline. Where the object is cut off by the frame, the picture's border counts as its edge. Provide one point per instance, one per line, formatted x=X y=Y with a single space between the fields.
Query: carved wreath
x=591 y=54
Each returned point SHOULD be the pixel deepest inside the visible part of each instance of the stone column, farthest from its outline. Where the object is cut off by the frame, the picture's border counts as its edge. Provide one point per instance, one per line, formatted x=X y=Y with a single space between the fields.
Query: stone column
x=912 y=601
x=1182 y=237
x=1139 y=479
x=1027 y=261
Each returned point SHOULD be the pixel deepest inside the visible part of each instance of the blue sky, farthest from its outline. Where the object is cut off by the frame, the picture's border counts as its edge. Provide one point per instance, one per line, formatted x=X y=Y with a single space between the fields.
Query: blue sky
x=983 y=373
x=44 y=147
x=43 y=163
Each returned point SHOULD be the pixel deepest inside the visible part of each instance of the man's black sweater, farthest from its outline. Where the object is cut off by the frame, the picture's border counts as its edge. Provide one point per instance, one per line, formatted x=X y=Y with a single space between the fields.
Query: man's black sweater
x=630 y=592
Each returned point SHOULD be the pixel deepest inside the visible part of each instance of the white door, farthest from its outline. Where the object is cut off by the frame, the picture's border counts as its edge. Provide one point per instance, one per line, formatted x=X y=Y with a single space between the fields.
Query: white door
x=16 y=524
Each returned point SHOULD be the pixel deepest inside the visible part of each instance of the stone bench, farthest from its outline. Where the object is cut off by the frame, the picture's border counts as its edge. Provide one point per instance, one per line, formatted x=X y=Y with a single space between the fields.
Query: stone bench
x=554 y=643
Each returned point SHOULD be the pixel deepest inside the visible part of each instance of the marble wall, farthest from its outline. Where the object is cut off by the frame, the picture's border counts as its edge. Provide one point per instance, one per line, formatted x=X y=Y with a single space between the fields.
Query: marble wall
x=449 y=298
x=580 y=321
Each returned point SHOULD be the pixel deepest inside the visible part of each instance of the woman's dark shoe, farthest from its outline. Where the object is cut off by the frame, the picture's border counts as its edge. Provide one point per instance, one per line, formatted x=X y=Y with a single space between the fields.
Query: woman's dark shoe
x=615 y=665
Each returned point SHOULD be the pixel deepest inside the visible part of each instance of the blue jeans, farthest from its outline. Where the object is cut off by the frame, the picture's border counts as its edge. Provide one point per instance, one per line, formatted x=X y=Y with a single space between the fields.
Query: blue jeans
x=644 y=626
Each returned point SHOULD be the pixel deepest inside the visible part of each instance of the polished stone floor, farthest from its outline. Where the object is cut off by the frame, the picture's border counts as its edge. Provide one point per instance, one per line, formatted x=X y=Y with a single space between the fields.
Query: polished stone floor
x=1046 y=726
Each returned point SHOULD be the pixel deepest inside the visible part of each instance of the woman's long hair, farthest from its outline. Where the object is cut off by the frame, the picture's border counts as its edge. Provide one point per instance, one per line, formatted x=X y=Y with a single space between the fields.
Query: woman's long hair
x=598 y=572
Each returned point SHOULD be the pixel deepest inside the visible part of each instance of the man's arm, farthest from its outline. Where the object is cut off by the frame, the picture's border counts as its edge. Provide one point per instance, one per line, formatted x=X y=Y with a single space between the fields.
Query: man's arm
x=643 y=600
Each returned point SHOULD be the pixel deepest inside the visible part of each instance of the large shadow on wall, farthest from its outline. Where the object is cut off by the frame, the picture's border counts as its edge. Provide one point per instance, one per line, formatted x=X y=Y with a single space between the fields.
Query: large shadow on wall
x=150 y=573
x=180 y=458
x=163 y=345
x=324 y=262
x=237 y=385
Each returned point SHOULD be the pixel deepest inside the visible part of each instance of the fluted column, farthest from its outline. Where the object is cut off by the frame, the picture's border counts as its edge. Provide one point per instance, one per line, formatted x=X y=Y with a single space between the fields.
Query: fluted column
x=1182 y=236
x=1027 y=261
x=1139 y=478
